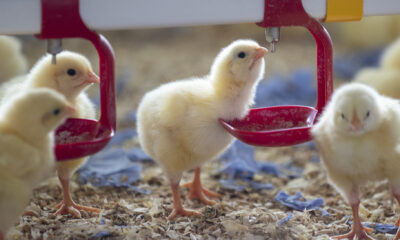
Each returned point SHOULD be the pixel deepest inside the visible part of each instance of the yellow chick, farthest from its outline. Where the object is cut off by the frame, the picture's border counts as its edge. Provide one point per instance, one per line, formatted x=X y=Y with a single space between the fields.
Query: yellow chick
x=357 y=136
x=385 y=78
x=178 y=122
x=12 y=61
x=70 y=76
x=27 y=124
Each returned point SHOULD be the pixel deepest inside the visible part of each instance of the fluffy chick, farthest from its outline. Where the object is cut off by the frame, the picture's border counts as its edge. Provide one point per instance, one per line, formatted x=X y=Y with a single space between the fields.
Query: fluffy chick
x=357 y=136
x=70 y=76
x=27 y=124
x=12 y=61
x=385 y=78
x=178 y=122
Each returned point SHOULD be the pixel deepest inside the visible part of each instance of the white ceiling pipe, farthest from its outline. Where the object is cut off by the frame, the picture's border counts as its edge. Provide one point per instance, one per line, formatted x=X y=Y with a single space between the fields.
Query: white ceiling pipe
x=23 y=16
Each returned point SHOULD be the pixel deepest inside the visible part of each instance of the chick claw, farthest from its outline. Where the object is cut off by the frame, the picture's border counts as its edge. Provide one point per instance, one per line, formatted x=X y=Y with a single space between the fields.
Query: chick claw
x=73 y=209
x=183 y=212
x=397 y=223
x=360 y=235
x=198 y=192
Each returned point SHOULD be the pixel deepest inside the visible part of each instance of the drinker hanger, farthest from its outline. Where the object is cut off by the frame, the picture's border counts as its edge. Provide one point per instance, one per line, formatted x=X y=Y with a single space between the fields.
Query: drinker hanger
x=81 y=137
x=287 y=125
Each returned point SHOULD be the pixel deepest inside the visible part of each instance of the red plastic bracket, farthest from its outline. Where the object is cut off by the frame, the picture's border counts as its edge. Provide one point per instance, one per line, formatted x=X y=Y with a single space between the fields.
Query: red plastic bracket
x=280 y=13
x=288 y=125
x=61 y=19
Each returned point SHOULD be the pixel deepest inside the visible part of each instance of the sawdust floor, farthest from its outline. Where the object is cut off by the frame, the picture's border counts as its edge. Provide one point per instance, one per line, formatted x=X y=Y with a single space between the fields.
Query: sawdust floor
x=152 y=57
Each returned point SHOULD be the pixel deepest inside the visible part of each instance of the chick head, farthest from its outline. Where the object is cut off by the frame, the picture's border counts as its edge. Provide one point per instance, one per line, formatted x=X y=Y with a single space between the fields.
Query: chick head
x=36 y=111
x=242 y=60
x=70 y=75
x=356 y=109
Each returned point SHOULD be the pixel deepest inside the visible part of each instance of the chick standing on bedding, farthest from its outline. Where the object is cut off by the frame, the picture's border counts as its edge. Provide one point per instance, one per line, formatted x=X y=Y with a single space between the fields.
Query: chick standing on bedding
x=27 y=124
x=357 y=136
x=385 y=78
x=12 y=61
x=178 y=122
x=70 y=76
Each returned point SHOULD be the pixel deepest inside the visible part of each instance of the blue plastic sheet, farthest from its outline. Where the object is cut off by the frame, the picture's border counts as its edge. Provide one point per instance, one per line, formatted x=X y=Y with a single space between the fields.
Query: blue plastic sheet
x=285 y=219
x=347 y=66
x=111 y=168
x=259 y=186
x=378 y=227
x=270 y=168
x=297 y=202
x=101 y=235
x=299 y=89
x=231 y=185
x=138 y=155
x=383 y=228
x=290 y=171
x=238 y=161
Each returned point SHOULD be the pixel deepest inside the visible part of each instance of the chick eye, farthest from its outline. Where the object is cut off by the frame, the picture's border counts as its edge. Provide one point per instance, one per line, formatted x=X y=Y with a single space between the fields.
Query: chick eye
x=343 y=117
x=242 y=55
x=56 y=111
x=367 y=115
x=71 y=72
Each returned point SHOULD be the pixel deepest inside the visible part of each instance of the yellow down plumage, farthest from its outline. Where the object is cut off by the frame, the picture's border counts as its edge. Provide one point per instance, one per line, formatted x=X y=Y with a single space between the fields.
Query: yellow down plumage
x=178 y=122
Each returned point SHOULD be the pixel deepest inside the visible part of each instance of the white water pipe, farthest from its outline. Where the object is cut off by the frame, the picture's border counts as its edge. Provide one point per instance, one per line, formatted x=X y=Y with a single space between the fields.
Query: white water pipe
x=23 y=16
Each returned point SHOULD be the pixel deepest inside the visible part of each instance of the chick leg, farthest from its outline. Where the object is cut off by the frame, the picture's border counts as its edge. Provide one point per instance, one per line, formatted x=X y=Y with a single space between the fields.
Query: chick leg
x=198 y=192
x=1 y=236
x=397 y=237
x=396 y=193
x=358 y=229
x=67 y=205
x=178 y=207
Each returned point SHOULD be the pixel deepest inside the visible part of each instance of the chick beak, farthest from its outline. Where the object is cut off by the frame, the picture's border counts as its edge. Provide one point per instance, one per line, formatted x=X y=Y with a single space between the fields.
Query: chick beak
x=91 y=77
x=258 y=54
x=355 y=122
x=70 y=110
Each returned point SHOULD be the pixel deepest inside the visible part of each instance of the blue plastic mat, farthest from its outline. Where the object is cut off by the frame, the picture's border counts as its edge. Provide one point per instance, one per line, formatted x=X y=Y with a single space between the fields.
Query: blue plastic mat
x=349 y=65
x=297 y=202
x=112 y=168
x=238 y=163
x=299 y=88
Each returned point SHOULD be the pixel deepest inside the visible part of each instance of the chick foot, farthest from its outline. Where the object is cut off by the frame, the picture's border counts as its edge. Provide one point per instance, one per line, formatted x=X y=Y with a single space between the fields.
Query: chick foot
x=178 y=207
x=67 y=205
x=361 y=234
x=183 y=212
x=73 y=209
x=397 y=237
x=358 y=230
x=396 y=194
x=197 y=191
